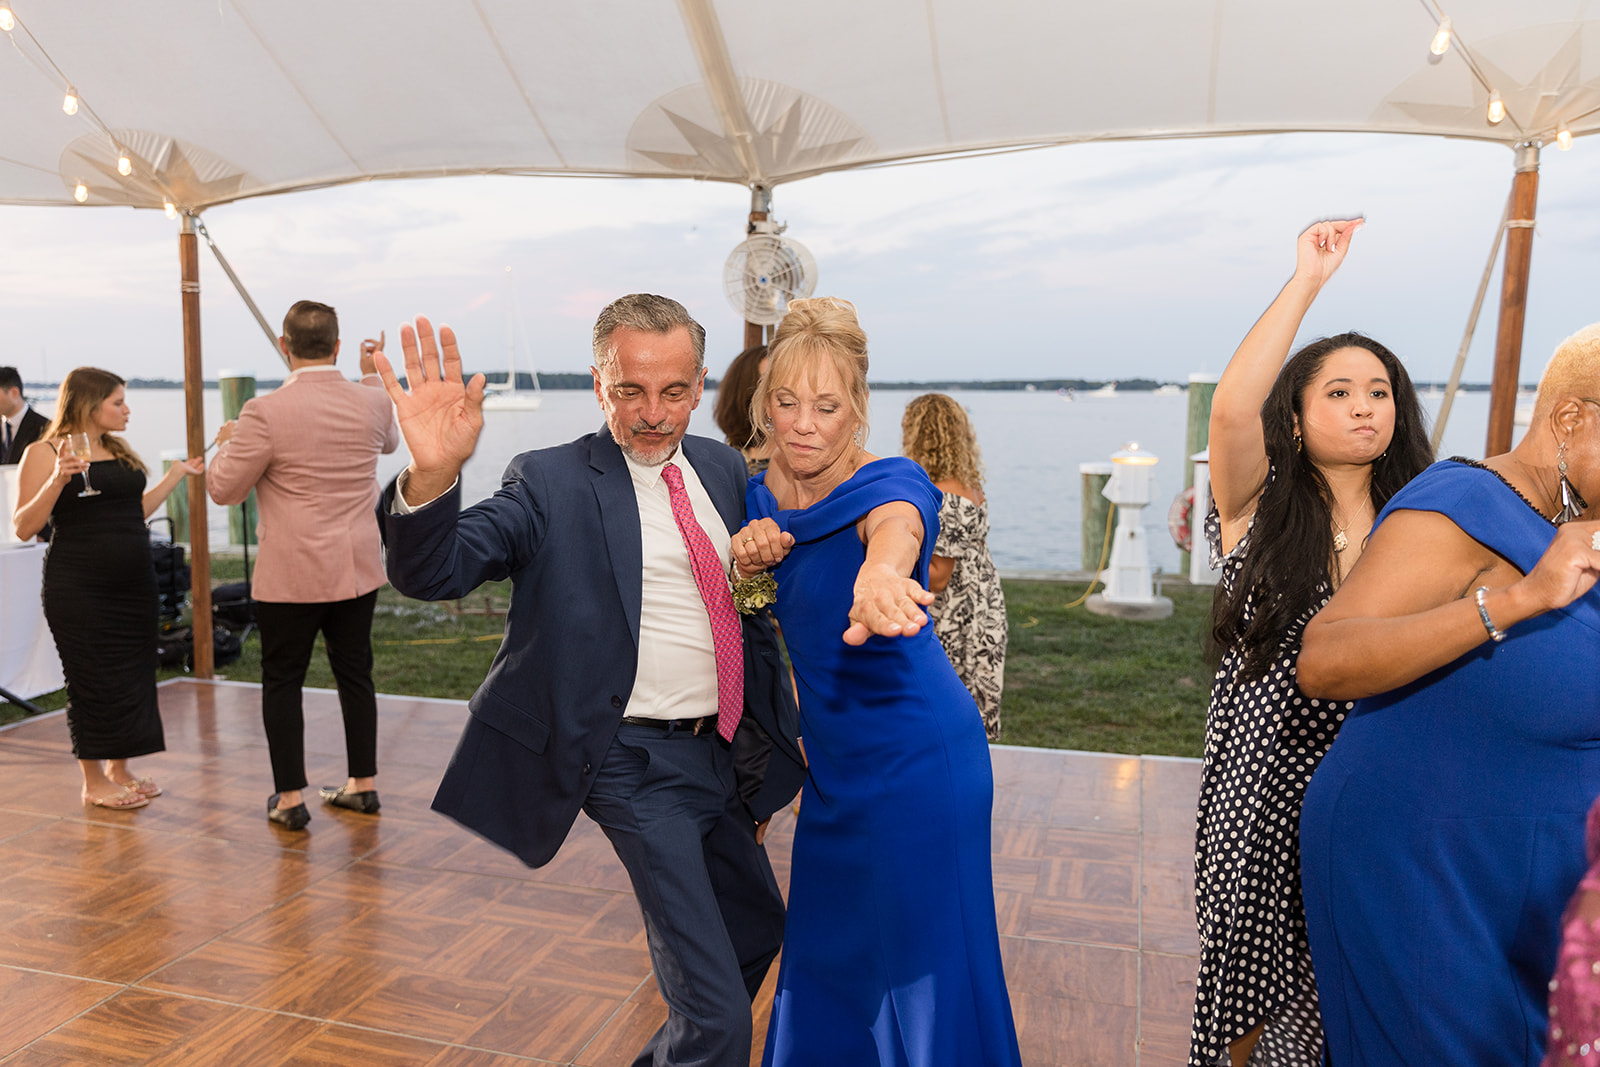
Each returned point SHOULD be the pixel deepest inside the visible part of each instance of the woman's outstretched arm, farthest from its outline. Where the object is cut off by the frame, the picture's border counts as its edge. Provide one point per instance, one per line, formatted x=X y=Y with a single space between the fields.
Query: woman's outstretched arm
x=888 y=601
x=1238 y=449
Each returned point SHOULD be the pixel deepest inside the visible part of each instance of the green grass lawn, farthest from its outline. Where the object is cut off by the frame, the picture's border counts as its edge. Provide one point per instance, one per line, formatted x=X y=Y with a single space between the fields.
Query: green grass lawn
x=1076 y=680
x=1073 y=680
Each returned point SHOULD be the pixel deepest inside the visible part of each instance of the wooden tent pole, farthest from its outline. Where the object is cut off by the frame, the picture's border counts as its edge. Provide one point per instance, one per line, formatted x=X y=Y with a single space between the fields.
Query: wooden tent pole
x=1513 y=300
x=194 y=387
x=760 y=211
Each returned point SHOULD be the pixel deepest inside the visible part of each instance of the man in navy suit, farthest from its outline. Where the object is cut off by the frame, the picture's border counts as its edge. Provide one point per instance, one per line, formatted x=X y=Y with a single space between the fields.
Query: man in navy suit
x=20 y=425
x=625 y=687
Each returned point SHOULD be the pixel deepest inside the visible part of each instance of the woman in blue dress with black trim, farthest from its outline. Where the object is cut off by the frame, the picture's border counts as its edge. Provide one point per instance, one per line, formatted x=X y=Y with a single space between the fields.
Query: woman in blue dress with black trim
x=891 y=952
x=1443 y=833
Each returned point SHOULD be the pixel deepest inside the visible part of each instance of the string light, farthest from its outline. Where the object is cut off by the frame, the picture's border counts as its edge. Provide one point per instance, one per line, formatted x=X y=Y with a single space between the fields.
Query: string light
x=81 y=193
x=1441 y=40
x=8 y=21
x=172 y=209
x=1497 y=108
x=70 y=104
x=1564 y=139
x=124 y=164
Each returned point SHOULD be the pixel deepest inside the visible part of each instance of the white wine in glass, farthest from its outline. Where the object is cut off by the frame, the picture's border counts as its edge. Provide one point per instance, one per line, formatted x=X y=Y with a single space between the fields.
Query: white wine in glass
x=83 y=450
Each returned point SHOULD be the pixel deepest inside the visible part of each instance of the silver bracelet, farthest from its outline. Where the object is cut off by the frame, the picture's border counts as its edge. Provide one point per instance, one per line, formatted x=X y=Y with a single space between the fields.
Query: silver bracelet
x=1483 y=613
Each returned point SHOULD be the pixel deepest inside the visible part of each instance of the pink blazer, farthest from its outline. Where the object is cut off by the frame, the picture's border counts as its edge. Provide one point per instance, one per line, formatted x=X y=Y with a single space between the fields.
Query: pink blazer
x=310 y=450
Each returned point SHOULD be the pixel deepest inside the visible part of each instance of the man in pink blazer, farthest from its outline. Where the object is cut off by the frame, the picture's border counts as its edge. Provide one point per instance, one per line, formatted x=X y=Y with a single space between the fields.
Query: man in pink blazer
x=310 y=451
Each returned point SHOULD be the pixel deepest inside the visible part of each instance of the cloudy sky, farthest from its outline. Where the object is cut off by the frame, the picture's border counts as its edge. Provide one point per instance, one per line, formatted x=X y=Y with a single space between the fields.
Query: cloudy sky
x=1099 y=261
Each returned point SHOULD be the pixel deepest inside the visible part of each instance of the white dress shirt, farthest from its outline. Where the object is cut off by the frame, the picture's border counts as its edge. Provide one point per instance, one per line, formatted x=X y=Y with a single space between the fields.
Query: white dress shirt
x=15 y=422
x=677 y=676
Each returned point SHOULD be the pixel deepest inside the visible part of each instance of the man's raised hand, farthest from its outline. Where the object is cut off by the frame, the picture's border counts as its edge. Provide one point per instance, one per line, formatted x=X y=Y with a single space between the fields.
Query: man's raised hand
x=439 y=415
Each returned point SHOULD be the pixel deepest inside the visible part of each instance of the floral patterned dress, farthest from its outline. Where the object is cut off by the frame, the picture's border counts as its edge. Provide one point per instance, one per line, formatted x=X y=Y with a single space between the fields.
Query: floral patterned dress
x=969 y=616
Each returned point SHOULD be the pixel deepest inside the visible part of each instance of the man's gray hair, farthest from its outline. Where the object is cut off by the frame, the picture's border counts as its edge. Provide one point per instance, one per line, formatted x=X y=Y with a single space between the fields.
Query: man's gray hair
x=648 y=314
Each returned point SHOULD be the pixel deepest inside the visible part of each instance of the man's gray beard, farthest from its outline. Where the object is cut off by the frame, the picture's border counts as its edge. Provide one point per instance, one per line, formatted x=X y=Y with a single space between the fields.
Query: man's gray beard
x=647 y=459
x=623 y=440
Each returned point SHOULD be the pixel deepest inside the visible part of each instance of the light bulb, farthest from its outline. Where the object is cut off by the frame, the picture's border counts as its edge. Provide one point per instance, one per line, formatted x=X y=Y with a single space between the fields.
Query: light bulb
x=1497 y=108
x=81 y=193
x=1441 y=40
x=8 y=21
x=70 y=104
x=124 y=165
x=172 y=209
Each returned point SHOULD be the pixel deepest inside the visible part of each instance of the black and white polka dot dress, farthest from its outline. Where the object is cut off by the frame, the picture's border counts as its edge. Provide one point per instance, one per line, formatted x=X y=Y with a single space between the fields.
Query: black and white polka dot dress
x=1263 y=741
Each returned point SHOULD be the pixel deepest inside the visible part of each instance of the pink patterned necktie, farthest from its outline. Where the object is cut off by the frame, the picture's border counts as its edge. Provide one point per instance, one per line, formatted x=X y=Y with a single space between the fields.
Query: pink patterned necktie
x=727 y=635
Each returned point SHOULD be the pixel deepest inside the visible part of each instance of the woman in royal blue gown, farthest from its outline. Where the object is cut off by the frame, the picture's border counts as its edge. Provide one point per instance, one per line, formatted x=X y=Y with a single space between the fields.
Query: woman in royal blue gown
x=891 y=952
x=1444 y=831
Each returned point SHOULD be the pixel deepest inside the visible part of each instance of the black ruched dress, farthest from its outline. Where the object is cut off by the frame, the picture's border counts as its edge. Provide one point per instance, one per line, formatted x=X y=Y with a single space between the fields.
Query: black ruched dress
x=100 y=601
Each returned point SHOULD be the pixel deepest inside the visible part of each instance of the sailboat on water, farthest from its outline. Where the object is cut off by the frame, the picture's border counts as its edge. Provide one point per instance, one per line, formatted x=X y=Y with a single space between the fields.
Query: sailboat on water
x=506 y=396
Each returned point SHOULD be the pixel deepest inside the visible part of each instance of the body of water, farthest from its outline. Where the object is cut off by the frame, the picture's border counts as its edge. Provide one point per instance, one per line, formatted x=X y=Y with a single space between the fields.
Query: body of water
x=1032 y=445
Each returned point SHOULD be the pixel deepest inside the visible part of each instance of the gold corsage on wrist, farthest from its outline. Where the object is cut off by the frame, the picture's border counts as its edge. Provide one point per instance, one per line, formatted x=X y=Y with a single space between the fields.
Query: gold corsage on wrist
x=752 y=594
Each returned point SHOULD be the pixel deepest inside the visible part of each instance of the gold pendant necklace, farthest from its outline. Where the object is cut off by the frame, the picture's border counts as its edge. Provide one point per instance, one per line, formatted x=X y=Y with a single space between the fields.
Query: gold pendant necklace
x=1340 y=541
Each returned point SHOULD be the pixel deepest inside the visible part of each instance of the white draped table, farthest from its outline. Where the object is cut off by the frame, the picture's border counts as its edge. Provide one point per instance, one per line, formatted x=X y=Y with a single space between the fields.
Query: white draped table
x=29 y=665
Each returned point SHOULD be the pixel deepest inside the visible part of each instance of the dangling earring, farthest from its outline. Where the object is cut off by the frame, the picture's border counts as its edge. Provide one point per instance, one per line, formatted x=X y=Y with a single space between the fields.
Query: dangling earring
x=1572 y=505
x=1298 y=444
x=858 y=437
x=768 y=425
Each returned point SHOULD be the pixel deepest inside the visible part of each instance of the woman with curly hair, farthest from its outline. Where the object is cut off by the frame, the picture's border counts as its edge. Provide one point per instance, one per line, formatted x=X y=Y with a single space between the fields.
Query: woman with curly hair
x=1304 y=454
x=969 y=611
x=99 y=584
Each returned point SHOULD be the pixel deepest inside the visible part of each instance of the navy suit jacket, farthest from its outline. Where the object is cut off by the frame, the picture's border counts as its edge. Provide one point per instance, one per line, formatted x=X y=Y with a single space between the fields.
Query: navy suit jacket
x=564 y=527
x=33 y=424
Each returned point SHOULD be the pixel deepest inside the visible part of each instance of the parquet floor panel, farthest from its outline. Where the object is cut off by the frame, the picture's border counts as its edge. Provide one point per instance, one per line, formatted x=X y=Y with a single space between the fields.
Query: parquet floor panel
x=195 y=932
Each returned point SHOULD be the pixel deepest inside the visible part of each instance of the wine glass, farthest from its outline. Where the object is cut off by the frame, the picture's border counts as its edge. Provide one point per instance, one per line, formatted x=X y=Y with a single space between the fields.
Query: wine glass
x=83 y=449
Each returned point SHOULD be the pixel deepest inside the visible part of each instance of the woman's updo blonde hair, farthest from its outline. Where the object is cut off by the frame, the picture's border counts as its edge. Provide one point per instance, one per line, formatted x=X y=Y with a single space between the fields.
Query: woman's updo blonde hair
x=823 y=327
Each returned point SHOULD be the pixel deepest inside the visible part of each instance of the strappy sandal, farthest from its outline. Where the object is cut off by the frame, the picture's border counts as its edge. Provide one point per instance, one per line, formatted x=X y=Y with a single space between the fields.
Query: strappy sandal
x=127 y=800
x=145 y=787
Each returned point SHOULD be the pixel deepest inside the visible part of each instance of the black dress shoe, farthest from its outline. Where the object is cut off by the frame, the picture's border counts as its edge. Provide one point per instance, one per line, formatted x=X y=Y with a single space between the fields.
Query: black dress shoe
x=295 y=818
x=366 y=801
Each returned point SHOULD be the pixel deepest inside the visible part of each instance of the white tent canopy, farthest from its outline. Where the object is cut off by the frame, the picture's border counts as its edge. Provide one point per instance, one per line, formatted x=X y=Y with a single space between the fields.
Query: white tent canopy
x=215 y=100
x=184 y=104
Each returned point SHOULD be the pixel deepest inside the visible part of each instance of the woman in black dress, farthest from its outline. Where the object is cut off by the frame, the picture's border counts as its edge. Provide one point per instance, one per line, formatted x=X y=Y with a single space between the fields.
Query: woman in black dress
x=1305 y=450
x=99 y=585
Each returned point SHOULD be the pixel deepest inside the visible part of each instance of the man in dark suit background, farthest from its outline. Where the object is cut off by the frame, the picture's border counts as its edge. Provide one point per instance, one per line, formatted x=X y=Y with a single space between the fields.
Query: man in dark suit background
x=625 y=686
x=22 y=425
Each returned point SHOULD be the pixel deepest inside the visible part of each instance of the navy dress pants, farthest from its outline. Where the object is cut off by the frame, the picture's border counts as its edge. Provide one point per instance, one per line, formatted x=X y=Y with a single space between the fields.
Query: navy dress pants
x=713 y=914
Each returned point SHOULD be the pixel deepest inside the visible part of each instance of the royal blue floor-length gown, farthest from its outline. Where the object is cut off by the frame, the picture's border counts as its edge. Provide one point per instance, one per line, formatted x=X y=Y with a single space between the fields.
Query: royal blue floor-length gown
x=1444 y=831
x=891 y=953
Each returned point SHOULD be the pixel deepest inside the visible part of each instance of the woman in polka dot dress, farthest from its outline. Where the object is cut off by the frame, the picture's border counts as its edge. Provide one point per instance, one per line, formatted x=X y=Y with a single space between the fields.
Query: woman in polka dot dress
x=1303 y=454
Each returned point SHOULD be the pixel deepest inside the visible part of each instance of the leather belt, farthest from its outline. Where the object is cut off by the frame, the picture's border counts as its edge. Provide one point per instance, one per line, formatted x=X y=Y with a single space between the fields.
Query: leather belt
x=704 y=725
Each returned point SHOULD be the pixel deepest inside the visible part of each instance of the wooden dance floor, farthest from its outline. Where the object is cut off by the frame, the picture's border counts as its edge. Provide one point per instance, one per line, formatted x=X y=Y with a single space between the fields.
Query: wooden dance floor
x=195 y=932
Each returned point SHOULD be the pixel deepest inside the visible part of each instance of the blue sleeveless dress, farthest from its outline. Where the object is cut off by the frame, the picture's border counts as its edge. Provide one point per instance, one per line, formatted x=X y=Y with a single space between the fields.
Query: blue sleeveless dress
x=891 y=953
x=1444 y=832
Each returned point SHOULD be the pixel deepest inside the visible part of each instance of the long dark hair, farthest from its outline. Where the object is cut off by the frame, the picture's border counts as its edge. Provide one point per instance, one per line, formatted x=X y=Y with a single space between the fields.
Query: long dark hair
x=1291 y=539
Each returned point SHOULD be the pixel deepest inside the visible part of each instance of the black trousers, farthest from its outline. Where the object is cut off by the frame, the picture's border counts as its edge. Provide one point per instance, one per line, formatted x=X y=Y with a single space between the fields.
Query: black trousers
x=713 y=914
x=288 y=634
